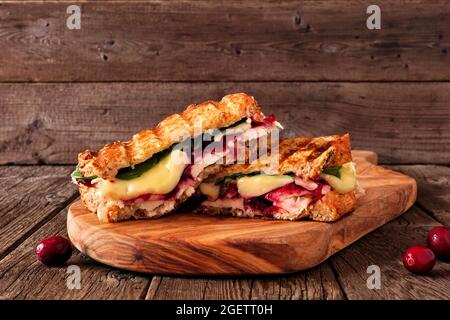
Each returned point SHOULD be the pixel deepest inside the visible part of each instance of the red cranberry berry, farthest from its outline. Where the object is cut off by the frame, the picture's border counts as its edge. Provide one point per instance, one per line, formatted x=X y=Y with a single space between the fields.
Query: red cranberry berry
x=419 y=259
x=439 y=241
x=54 y=251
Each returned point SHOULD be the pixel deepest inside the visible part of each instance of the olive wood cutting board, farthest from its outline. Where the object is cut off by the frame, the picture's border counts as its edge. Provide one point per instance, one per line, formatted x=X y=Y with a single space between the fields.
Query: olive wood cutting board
x=192 y=244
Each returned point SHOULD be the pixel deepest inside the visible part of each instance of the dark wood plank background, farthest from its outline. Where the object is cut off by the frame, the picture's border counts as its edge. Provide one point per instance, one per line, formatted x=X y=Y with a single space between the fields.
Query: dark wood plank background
x=226 y=40
x=51 y=123
x=313 y=63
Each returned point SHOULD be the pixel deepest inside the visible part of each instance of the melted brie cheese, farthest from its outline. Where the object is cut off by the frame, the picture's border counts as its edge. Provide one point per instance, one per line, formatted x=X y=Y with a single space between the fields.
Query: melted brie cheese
x=162 y=178
x=254 y=186
x=210 y=190
x=347 y=181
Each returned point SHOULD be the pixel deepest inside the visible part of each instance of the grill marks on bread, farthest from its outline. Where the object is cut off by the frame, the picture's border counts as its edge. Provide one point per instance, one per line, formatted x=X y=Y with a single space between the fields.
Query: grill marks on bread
x=305 y=157
x=212 y=115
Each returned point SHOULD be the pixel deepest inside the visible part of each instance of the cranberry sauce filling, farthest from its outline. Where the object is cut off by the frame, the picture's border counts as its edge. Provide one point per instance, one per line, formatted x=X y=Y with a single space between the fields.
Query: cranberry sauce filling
x=145 y=197
x=230 y=191
x=265 y=204
x=267 y=122
x=85 y=182
x=288 y=190
x=261 y=205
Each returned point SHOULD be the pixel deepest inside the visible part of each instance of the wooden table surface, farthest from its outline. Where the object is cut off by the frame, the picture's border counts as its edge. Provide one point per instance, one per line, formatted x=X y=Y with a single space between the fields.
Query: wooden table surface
x=34 y=202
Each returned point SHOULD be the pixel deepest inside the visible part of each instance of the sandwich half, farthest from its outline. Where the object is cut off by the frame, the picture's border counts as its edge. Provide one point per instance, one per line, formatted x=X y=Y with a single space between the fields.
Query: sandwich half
x=311 y=178
x=154 y=172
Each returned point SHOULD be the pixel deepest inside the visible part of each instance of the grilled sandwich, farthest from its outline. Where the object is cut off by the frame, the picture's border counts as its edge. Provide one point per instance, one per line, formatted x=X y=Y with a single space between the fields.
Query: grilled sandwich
x=311 y=178
x=154 y=172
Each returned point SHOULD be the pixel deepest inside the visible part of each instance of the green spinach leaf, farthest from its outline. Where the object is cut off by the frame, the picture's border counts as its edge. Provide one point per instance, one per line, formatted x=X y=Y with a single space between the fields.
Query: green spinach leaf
x=333 y=171
x=76 y=174
x=235 y=176
x=139 y=169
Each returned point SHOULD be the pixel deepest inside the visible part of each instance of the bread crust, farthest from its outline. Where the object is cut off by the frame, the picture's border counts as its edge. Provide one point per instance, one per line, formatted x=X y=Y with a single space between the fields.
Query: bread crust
x=332 y=206
x=116 y=211
x=305 y=157
x=106 y=162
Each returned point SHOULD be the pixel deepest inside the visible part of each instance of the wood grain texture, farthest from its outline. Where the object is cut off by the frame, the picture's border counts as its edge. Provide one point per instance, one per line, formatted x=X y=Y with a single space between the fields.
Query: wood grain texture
x=384 y=248
x=184 y=288
x=228 y=289
x=23 y=277
x=52 y=123
x=433 y=185
x=30 y=196
x=317 y=283
x=233 y=246
x=314 y=284
x=163 y=288
x=225 y=40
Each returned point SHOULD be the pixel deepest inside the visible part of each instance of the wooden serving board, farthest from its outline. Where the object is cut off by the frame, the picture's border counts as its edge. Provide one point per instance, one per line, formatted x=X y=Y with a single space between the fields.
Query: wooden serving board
x=192 y=244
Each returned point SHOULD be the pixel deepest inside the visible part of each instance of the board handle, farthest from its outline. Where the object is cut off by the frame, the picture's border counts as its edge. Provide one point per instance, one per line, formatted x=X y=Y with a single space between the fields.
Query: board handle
x=366 y=155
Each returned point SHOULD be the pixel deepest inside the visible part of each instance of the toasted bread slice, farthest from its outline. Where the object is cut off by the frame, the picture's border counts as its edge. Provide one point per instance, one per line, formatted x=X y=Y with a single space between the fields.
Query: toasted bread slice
x=305 y=157
x=301 y=158
x=96 y=175
x=106 y=162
